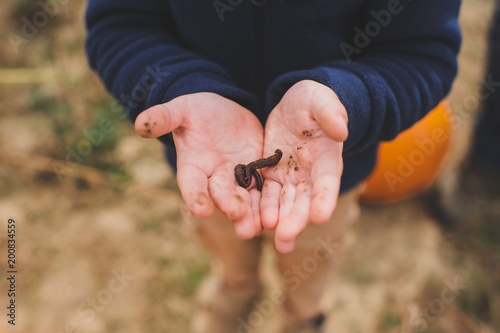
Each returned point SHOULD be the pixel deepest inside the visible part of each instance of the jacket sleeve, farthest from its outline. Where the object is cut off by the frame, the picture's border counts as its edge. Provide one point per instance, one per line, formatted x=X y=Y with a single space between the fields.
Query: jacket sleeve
x=133 y=47
x=398 y=64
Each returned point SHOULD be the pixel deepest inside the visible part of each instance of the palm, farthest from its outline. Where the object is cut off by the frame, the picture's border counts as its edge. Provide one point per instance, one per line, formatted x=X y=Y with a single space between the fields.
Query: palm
x=212 y=134
x=304 y=185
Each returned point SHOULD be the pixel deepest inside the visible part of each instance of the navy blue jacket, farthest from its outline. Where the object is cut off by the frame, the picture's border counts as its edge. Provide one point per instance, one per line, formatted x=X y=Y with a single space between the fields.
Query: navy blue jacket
x=389 y=61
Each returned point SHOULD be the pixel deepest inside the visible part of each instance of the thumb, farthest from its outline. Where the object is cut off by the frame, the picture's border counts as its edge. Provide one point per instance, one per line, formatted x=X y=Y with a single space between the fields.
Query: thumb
x=161 y=119
x=331 y=114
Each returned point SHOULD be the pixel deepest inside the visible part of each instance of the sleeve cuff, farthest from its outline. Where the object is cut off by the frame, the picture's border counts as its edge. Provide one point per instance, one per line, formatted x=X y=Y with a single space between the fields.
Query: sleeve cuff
x=350 y=89
x=159 y=85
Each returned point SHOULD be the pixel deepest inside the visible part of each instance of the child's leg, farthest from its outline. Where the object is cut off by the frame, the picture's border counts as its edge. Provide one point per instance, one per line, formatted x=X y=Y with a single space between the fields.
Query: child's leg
x=228 y=295
x=306 y=271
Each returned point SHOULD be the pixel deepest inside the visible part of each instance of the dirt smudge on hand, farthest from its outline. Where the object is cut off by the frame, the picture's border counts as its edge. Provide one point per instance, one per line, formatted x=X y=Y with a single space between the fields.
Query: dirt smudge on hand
x=308 y=133
x=201 y=199
x=292 y=164
x=239 y=198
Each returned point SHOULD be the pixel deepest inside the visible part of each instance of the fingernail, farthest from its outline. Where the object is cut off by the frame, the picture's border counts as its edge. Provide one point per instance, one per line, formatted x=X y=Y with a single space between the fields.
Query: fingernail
x=285 y=247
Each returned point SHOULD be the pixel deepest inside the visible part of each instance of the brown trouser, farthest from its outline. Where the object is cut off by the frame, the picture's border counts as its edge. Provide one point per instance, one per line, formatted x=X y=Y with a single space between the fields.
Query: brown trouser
x=304 y=272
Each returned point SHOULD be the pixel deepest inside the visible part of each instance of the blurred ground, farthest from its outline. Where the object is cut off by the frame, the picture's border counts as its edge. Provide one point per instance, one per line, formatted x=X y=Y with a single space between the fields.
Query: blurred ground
x=101 y=244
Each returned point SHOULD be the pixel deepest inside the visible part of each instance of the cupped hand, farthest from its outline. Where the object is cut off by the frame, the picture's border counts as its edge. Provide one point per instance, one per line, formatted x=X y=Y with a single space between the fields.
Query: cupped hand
x=212 y=134
x=309 y=125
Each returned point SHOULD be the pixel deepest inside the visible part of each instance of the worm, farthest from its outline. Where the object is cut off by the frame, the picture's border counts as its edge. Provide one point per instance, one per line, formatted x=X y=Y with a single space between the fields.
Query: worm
x=243 y=173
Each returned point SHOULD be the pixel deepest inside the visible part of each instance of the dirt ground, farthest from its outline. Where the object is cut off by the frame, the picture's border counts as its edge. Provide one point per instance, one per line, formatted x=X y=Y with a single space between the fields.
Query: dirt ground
x=101 y=246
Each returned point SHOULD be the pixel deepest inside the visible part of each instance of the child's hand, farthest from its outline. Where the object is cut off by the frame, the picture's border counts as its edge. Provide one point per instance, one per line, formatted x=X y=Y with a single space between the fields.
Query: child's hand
x=212 y=134
x=309 y=125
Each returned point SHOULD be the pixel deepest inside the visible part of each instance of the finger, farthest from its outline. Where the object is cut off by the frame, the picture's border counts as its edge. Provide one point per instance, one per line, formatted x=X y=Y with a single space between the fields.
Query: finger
x=270 y=204
x=287 y=199
x=161 y=119
x=284 y=247
x=334 y=126
x=324 y=199
x=331 y=115
x=193 y=184
x=294 y=223
x=246 y=226
x=255 y=197
x=326 y=176
x=230 y=199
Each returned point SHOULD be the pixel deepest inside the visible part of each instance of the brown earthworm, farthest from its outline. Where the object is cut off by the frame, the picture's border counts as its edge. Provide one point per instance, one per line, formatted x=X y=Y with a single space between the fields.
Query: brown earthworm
x=243 y=173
